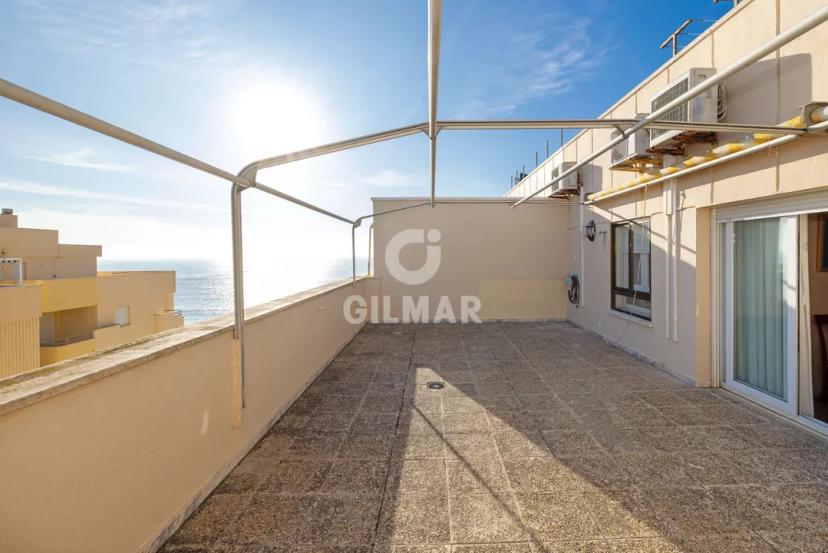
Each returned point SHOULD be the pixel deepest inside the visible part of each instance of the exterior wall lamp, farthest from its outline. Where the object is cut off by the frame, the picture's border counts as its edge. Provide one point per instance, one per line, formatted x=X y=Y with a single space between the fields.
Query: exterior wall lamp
x=589 y=231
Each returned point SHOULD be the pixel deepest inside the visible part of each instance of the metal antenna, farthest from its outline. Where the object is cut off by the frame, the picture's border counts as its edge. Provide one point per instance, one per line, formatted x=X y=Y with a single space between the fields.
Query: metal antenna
x=673 y=38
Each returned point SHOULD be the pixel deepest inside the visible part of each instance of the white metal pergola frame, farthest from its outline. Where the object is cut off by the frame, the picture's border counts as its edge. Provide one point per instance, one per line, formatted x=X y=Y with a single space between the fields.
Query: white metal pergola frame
x=246 y=178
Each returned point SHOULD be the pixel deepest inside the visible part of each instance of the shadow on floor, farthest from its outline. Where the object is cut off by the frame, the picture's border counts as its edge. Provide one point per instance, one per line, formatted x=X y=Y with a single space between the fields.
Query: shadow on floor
x=542 y=438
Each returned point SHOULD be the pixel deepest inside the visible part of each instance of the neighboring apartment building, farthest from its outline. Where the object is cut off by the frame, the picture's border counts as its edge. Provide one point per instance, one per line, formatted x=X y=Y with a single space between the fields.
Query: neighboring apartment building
x=721 y=274
x=55 y=305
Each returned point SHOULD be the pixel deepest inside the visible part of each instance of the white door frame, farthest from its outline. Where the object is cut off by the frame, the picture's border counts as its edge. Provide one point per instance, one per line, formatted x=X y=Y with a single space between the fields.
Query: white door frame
x=789 y=403
x=791 y=205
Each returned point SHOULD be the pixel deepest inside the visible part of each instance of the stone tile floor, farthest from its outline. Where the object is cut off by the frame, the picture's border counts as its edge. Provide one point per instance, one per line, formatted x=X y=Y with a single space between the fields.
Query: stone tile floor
x=542 y=439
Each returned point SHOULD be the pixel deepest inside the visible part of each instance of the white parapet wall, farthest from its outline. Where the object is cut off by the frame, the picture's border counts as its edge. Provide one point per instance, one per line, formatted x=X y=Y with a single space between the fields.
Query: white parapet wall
x=110 y=452
x=513 y=260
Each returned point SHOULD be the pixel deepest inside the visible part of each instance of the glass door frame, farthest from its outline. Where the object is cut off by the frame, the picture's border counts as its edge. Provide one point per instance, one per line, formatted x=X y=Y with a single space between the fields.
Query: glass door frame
x=790 y=229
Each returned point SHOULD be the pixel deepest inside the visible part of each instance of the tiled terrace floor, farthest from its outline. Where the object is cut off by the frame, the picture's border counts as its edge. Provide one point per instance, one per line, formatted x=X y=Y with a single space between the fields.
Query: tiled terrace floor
x=544 y=438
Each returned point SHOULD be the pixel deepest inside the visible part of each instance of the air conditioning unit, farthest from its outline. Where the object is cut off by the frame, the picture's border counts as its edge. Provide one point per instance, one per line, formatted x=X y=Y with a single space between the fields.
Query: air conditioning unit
x=569 y=184
x=632 y=154
x=707 y=107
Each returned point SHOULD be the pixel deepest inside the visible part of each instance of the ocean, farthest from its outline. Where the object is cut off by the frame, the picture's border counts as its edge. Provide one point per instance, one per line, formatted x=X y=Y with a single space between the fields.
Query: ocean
x=204 y=288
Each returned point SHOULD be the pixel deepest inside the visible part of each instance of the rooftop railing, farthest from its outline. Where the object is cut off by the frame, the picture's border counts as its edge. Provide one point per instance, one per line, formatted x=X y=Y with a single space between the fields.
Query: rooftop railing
x=65 y=340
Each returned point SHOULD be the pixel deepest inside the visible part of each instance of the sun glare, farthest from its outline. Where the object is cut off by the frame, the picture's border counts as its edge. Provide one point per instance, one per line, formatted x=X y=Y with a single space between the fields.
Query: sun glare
x=268 y=118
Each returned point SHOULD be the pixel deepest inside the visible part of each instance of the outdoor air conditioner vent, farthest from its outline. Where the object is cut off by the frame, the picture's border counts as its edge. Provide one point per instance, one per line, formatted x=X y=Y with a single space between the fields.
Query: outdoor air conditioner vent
x=632 y=154
x=708 y=107
x=569 y=184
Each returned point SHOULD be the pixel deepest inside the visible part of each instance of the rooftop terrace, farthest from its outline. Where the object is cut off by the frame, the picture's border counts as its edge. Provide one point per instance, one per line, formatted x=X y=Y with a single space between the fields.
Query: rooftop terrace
x=542 y=438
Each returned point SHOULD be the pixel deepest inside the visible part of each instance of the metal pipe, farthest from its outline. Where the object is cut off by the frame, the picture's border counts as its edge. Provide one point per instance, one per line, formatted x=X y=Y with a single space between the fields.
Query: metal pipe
x=370 y=247
x=609 y=124
x=753 y=149
x=668 y=251
x=805 y=25
x=47 y=105
x=434 y=14
x=353 y=254
x=409 y=130
x=238 y=278
x=61 y=111
x=359 y=220
x=674 y=260
x=297 y=201
x=818 y=128
x=339 y=146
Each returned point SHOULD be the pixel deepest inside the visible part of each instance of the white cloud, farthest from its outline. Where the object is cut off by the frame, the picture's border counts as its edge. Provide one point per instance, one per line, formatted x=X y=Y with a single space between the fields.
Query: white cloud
x=85 y=158
x=166 y=34
x=550 y=57
x=63 y=192
x=169 y=10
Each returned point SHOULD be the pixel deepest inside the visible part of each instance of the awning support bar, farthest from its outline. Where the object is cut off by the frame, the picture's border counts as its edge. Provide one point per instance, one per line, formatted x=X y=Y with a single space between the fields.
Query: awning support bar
x=434 y=13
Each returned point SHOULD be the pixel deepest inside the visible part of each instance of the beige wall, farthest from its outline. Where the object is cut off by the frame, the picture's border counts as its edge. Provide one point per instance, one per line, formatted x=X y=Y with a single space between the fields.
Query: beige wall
x=160 y=429
x=43 y=256
x=69 y=293
x=74 y=322
x=19 y=329
x=53 y=354
x=23 y=242
x=514 y=260
x=145 y=293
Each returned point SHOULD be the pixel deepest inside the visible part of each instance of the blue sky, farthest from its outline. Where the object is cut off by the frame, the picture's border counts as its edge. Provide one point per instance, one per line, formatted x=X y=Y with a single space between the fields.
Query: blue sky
x=231 y=81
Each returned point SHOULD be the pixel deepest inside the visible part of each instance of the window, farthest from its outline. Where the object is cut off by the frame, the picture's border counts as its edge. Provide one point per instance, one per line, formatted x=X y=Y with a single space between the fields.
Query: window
x=631 y=267
x=122 y=316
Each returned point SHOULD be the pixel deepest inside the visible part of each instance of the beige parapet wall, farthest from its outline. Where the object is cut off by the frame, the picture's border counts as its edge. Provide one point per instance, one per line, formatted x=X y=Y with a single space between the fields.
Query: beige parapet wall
x=110 y=452
x=514 y=260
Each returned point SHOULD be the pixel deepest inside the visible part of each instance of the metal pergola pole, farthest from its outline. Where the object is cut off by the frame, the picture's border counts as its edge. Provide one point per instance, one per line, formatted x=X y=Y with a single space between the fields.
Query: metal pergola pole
x=358 y=222
x=238 y=282
x=611 y=124
x=353 y=253
x=434 y=14
x=338 y=146
x=817 y=18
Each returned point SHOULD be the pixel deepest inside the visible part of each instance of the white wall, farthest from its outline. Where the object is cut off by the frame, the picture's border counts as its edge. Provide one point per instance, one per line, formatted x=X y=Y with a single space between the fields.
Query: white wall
x=514 y=260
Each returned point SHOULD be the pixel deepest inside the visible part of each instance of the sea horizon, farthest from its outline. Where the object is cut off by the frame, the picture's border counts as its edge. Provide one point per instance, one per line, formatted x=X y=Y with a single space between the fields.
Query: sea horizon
x=204 y=287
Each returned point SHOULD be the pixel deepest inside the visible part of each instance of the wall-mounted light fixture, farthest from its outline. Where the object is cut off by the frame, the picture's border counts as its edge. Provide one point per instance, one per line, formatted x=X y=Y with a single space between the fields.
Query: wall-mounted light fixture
x=589 y=231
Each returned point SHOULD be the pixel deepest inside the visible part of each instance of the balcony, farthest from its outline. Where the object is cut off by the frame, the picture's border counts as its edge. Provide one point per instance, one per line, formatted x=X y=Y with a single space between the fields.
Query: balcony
x=53 y=350
x=542 y=437
x=167 y=319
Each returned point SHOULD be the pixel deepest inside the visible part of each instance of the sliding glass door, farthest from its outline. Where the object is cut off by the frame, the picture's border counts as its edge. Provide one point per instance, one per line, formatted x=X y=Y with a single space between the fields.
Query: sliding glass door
x=759 y=300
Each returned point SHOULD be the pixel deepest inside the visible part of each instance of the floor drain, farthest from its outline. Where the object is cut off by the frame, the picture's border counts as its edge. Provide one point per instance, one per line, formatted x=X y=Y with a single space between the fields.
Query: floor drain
x=435 y=385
